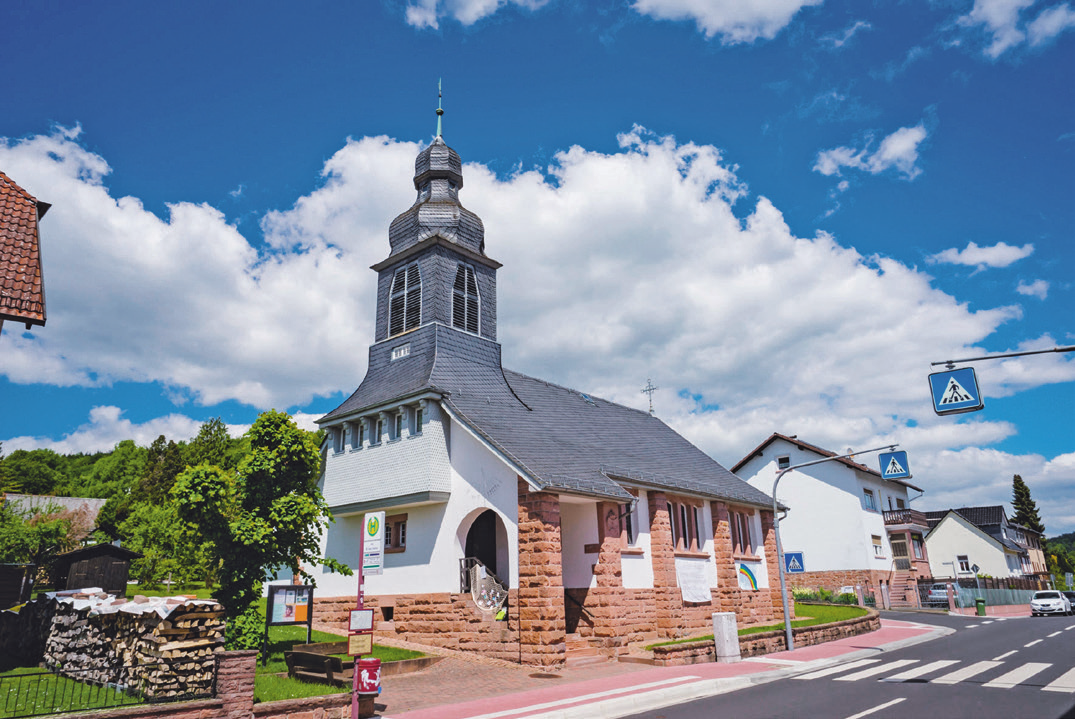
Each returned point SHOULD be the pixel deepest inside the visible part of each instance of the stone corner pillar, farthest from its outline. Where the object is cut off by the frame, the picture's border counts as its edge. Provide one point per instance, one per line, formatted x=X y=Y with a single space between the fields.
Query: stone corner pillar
x=235 y=682
x=542 y=624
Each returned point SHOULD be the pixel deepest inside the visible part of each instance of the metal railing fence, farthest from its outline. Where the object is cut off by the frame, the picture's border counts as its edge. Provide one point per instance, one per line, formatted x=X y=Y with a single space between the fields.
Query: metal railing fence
x=37 y=692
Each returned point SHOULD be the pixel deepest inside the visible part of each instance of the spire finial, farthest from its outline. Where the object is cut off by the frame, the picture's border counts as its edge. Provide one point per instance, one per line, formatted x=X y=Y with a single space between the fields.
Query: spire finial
x=440 y=110
x=650 y=389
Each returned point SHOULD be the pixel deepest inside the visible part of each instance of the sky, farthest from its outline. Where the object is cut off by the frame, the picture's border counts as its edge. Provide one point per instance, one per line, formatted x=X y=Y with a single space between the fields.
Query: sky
x=780 y=212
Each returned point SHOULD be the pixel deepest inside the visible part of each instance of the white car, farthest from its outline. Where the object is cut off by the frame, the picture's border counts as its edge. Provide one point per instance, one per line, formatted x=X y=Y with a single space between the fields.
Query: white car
x=1049 y=602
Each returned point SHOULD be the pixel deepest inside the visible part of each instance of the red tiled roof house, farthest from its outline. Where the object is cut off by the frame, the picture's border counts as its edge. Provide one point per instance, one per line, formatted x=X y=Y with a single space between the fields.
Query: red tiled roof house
x=22 y=290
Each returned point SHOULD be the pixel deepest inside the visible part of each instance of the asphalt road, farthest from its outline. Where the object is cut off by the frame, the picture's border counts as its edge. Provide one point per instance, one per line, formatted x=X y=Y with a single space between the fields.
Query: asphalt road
x=1016 y=668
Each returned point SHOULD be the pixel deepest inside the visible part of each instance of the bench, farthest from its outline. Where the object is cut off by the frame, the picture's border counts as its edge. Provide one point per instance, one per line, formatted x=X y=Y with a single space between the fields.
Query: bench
x=320 y=668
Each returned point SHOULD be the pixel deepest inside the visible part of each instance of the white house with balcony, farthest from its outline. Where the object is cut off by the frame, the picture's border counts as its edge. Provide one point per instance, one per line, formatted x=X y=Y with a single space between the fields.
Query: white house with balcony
x=853 y=527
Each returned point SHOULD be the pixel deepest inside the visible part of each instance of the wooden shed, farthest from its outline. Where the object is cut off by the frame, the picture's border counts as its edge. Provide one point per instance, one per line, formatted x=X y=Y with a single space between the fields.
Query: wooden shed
x=101 y=565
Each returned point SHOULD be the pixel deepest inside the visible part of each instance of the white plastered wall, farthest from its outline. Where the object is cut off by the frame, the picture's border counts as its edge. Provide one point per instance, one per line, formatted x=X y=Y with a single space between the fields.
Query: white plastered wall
x=436 y=533
x=955 y=536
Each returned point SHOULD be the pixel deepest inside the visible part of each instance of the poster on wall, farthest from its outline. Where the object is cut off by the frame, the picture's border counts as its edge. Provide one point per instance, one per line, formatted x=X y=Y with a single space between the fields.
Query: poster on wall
x=693 y=580
x=748 y=575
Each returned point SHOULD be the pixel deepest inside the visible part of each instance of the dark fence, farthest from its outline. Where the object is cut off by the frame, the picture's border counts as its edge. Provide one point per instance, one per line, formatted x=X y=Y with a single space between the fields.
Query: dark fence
x=33 y=692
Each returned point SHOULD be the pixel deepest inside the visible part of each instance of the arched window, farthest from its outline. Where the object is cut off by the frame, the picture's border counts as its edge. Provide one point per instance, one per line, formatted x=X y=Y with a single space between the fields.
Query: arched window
x=405 y=304
x=465 y=300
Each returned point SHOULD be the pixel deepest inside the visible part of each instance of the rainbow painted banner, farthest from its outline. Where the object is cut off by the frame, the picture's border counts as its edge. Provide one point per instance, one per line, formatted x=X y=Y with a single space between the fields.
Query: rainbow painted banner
x=747 y=580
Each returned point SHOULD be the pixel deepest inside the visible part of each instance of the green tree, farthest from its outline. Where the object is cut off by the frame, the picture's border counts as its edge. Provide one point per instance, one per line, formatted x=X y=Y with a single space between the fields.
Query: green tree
x=164 y=462
x=214 y=446
x=7 y=483
x=1026 y=510
x=265 y=515
x=36 y=471
x=34 y=537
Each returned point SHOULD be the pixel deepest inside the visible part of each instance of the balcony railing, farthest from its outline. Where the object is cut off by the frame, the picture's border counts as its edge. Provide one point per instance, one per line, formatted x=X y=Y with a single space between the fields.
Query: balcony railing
x=906 y=516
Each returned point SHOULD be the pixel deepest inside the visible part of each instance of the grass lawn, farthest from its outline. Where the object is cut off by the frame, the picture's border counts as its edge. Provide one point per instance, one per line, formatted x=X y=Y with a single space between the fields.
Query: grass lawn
x=810 y=615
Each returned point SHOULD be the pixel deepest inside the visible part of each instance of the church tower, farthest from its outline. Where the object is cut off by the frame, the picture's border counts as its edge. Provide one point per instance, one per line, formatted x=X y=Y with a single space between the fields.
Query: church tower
x=437 y=271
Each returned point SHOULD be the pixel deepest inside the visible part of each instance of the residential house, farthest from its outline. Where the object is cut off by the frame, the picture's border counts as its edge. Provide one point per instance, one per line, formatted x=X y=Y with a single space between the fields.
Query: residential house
x=853 y=527
x=22 y=291
x=959 y=539
x=521 y=515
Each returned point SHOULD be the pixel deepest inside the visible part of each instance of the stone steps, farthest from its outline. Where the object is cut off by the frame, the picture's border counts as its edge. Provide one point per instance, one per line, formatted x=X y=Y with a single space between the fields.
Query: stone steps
x=580 y=652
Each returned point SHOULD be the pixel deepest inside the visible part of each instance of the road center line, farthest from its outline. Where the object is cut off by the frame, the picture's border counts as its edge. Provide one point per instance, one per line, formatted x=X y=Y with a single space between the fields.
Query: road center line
x=1005 y=654
x=877 y=708
x=1036 y=641
x=1052 y=635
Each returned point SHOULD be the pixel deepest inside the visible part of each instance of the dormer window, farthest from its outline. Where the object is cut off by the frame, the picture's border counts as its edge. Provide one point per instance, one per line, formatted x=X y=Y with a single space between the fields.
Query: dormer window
x=783 y=462
x=405 y=303
x=465 y=300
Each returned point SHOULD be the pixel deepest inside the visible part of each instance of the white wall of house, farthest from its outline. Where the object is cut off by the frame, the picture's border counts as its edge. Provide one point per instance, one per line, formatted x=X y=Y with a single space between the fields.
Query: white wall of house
x=828 y=520
x=578 y=527
x=637 y=569
x=955 y=536
x=436 y=532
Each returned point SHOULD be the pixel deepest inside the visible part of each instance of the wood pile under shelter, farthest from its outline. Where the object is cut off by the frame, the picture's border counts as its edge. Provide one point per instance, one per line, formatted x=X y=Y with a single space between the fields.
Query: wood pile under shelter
x=161 y=647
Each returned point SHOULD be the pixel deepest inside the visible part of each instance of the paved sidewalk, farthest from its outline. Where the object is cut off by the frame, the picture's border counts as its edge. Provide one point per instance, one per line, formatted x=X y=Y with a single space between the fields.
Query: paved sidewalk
x=456 y=688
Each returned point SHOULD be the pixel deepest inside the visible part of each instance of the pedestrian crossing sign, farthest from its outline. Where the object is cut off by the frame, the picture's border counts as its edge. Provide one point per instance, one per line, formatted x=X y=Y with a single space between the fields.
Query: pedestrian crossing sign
x=955 y=391
x=894 y=465
x=793 y=563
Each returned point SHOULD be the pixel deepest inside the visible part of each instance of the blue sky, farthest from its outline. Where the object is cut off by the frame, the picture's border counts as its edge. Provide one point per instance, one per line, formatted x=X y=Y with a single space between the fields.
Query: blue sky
x=781 y=211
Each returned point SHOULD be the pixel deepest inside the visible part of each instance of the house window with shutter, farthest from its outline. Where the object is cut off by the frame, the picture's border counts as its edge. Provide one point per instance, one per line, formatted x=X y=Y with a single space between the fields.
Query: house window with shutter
x=465 y=302
x=405 y=300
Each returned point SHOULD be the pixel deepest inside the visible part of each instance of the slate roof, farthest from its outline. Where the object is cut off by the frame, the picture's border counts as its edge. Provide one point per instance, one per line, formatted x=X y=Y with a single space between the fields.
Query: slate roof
x=22 y=293
x=846 y=461
x=562 y=439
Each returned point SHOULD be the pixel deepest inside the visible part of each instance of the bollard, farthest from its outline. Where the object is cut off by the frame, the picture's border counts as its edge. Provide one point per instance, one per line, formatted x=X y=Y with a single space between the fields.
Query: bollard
x=726 y=637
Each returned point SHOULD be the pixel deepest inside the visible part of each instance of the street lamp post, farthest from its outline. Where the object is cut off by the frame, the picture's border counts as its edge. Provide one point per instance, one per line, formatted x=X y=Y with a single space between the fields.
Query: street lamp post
x=790 y=643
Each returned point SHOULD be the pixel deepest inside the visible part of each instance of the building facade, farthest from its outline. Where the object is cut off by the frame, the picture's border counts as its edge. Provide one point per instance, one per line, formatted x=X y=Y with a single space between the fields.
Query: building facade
x=853 y=527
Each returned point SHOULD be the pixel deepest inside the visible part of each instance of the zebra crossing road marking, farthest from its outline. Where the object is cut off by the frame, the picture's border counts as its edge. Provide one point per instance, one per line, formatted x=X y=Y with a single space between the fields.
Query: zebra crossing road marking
x=1036 y=641
x=1017 y=675
x=873 y=671
x=1071 y=627
x=837 y=669
x=919 y=671
x=1005 y=654
x=988 y=621
x=965 y=673
x=1065 y=683
x=970 y=626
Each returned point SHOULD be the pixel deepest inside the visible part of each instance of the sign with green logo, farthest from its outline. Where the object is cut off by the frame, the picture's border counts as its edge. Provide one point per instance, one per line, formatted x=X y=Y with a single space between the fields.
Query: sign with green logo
x=373 y=544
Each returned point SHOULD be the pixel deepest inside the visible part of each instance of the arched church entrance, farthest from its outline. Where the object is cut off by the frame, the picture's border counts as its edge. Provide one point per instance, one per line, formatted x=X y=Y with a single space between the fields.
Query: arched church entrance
x=481 y=541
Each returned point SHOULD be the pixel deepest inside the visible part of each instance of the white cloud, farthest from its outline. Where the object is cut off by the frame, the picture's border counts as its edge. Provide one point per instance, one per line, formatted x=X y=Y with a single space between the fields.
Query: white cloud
x=1037 y=288
x=897 y=151
x=1003 y=21
x=734 y=21
x=427 y=13
x=1050 y=23
x=106 y=428
x=837 y=40
x=748 y=327
x=998 y=255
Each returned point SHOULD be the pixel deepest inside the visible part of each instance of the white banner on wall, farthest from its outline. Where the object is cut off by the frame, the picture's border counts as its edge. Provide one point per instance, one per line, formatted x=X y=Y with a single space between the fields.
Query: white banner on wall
x=693 y=579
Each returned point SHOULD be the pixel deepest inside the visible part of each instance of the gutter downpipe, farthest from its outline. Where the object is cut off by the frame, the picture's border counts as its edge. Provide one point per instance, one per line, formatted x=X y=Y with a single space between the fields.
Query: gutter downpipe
x=789 y=641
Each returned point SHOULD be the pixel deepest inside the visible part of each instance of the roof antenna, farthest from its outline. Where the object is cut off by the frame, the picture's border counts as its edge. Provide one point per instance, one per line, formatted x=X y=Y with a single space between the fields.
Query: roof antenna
x=650 y=389
x=440 y=110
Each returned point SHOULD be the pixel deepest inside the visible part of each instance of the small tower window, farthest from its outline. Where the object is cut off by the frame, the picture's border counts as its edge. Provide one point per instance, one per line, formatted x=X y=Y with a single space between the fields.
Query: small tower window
x=465 y=300
x=405 y=302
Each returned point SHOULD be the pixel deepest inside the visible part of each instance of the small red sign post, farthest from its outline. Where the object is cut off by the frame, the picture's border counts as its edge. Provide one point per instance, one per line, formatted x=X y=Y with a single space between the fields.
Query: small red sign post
x=367 y=672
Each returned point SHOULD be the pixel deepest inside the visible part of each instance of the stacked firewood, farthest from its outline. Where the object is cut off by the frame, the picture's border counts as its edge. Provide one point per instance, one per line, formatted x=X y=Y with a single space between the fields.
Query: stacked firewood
x=160 y=648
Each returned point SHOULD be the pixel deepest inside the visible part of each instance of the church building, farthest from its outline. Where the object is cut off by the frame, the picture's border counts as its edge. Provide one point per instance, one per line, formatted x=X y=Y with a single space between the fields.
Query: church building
x=524 y=520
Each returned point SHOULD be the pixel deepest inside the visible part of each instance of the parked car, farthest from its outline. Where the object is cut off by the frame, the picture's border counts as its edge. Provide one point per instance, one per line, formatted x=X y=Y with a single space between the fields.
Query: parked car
x=1071 y=599
x=1049 y=601
x=938 y=595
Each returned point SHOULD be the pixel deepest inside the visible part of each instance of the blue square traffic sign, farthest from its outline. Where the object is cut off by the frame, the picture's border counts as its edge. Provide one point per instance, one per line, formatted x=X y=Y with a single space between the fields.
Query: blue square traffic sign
x=793 y=563
x=955 y=391
x=894 y=465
